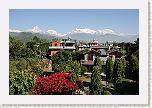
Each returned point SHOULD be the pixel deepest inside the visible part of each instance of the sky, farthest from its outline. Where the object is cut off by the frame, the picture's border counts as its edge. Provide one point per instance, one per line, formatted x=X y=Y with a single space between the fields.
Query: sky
x=65 y=20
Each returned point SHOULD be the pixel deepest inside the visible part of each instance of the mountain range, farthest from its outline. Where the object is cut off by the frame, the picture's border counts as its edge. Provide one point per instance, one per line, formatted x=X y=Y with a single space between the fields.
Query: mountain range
x=85 y=34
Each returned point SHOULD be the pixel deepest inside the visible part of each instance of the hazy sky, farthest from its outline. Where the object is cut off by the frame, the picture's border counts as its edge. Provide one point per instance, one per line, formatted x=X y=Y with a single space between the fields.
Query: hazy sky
x=64 y=20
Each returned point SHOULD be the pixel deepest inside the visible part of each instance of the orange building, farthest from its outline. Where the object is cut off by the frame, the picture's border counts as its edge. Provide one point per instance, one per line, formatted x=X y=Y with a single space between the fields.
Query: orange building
x=65 y=45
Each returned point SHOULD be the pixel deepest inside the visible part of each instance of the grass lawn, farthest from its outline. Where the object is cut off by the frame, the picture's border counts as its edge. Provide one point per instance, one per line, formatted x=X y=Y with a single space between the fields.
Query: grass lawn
x=86 y=81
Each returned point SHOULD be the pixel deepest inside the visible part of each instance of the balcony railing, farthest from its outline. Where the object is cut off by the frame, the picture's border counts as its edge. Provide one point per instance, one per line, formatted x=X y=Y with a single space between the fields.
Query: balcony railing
x=61 y=47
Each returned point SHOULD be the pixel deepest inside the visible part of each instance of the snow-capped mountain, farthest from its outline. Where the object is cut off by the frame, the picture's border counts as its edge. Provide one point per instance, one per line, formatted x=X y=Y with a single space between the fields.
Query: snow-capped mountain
x=85 y=34
x=17 y=31
x=76 y=31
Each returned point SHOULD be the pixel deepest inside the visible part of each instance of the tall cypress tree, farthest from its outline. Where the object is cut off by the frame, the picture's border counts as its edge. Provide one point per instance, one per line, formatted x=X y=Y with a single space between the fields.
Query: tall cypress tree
x=134 y=68
x=124 y=66
x=97 y=62
x=109 y=70
x=117 y=75
x=96 y=87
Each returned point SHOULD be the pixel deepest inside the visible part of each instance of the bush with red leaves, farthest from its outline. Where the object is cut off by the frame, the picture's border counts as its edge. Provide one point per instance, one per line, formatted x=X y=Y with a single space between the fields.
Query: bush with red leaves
x=56 y=84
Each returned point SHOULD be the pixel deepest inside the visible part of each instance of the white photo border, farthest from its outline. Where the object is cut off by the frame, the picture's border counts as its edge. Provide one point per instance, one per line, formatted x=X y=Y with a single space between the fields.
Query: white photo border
x=142 y=5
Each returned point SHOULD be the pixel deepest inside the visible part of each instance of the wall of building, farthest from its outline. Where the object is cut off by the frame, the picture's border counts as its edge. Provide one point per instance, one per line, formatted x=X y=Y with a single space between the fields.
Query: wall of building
x=56 y=44
x=54 y=51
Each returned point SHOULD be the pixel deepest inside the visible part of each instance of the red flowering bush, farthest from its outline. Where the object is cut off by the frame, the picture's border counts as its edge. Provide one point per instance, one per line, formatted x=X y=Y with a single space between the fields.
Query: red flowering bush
x=58 y=83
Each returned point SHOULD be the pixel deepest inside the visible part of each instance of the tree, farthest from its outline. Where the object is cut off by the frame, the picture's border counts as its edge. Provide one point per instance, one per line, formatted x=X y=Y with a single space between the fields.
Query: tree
x=15 y=48
x=77 y=68
x=73 y=77
x=77 y=55
x=83 y=70
x=124 y=66
x=62 y=61
x=97 y=62
x=22 y=64
x=20 y=83
x=96 y=87
x=109 y=70
x=134 y=68
x=117 y=75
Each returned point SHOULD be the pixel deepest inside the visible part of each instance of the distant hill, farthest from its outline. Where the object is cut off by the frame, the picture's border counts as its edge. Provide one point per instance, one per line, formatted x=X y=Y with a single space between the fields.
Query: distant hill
x=27 y=36
x=14 y=34
x=84 y=37
x=103 y=38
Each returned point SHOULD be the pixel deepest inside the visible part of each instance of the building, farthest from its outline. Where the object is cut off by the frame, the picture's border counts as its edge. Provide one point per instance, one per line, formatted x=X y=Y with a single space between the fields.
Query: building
x=94 y=44
x=115 y=54
x=89 y=57
x=69 y=45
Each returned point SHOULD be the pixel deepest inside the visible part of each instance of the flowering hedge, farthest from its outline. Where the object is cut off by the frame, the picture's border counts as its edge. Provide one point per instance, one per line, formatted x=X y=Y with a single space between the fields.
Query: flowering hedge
x=58 y=83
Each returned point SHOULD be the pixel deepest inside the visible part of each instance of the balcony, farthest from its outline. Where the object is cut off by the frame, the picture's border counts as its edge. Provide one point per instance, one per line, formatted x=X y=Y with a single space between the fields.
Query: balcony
x=87 y=62
x=61 y=47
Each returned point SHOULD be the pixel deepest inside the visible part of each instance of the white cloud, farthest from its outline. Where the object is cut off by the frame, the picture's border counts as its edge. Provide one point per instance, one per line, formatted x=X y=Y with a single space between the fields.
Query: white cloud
x=18 y=31
x=53 y=32
x=106 y=31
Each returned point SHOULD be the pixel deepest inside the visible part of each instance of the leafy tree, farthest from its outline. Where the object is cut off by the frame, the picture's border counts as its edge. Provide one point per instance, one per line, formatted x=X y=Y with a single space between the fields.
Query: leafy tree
x=109 y=70
x=73 y=77
x=124 y=66
x=96 y=87
x=22 y=64
x=77 y=68
x=134 y=68
x=83 y=70
x=15 y=48
x=117 y=75
x=77 y=55
x=62 y=61
x=20 y=83
x=97 y=62
x=35 y=66
x=12 y=66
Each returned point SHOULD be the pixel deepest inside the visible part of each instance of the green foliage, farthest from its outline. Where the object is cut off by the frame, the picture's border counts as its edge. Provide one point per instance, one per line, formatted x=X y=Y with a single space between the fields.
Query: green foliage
x=83 y=70
x=97 y=62
x=36 y=48
x=77 y=55
x=134 y=68
x=22 y=64
x=62 y=61
x=117 y=75
x=124 y=66
x=77 y=68
x=96 y=87
x=35 y=66
x=73 y=77
x=107 y=93
x=109 y=70
x=20 y=83
x=12 y=66
x=15 y=48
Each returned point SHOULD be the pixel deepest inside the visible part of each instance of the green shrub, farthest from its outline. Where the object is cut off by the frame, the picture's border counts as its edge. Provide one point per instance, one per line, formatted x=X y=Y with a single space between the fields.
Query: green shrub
x=20 y=83
x=107 y=93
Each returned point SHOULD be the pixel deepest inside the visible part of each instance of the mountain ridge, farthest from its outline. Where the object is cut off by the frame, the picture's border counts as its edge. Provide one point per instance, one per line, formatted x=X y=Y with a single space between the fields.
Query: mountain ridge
x=85 y=34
